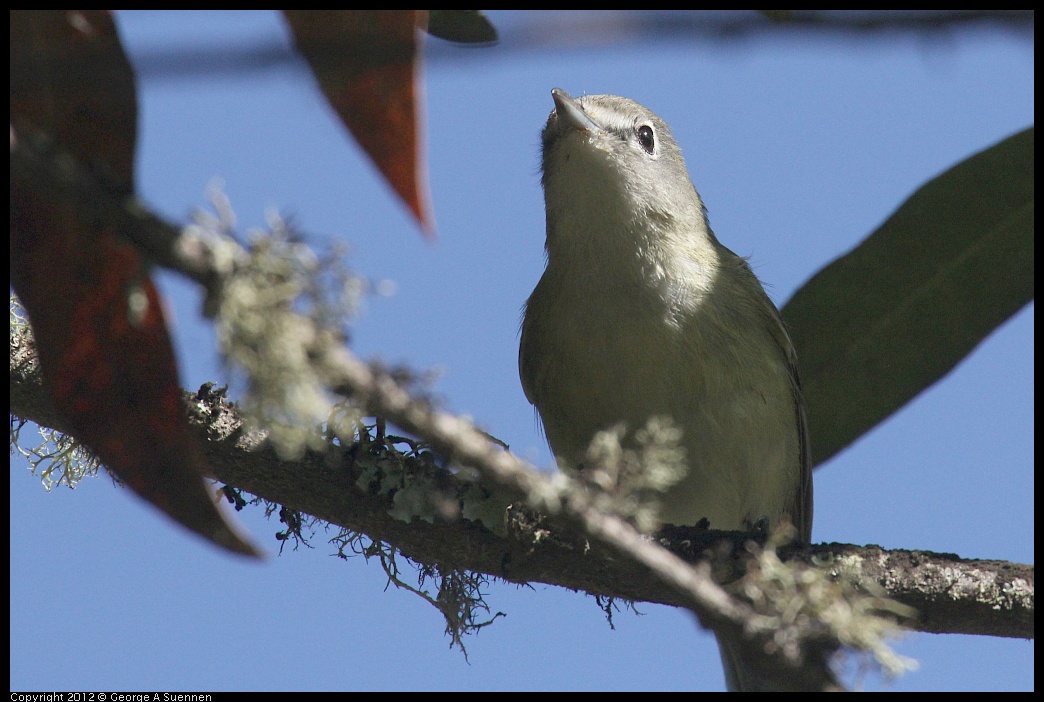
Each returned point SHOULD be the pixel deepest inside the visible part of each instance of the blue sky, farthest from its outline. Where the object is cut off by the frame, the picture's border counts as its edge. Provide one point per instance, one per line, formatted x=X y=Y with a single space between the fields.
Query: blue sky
x=799 y=146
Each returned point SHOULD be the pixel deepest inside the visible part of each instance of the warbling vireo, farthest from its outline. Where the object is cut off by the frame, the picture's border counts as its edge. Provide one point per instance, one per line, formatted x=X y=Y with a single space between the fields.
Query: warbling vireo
x=641 y=313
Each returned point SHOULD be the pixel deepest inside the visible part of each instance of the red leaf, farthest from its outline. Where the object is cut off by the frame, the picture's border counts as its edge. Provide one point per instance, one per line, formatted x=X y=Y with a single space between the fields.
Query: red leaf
x=365 y=62
x=106 y=357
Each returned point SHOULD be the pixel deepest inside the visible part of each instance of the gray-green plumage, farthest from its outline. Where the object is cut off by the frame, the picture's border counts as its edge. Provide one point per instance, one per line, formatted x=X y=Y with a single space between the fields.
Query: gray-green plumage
x=641 y=312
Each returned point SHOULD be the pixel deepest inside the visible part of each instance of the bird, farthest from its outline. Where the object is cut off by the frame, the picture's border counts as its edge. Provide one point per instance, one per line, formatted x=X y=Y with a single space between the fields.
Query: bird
x=642 y=313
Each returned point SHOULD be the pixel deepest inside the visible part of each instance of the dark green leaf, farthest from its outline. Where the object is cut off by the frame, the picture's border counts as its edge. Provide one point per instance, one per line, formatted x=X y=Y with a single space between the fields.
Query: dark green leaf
x=882 y=323
x=462 y=26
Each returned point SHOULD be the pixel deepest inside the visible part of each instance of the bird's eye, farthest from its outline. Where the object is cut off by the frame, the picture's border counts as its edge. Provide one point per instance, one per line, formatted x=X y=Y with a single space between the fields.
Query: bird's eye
x=646 y=137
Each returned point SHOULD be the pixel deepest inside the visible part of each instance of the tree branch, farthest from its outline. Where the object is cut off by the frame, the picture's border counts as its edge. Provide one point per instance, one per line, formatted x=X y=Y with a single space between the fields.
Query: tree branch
x=952 y=595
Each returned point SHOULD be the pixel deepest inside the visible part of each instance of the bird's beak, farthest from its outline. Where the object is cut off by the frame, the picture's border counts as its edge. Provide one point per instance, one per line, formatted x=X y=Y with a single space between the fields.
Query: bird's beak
x=571 y=113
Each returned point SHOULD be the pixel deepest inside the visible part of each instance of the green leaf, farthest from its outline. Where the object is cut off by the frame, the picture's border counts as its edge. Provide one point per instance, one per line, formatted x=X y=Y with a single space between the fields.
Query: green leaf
x=887 y=320
x=461 y=26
